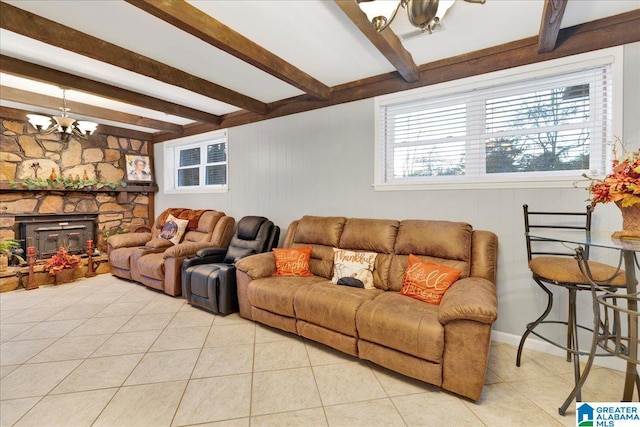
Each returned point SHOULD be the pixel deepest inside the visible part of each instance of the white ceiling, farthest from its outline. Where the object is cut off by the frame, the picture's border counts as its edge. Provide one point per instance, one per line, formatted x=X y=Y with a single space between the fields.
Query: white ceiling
x=315 y=36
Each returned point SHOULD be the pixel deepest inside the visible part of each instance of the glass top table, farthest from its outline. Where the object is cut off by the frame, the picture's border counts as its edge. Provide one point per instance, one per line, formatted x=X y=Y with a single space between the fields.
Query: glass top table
x=600 y=239
x=603 y=239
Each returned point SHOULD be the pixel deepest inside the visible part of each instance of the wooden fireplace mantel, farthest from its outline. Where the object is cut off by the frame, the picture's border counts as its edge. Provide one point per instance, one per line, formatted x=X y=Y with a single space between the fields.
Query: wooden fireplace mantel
x=5 y=186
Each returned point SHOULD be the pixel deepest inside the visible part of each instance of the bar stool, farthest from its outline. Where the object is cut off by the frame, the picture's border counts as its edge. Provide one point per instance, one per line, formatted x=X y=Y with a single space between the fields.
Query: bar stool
x=553 y=264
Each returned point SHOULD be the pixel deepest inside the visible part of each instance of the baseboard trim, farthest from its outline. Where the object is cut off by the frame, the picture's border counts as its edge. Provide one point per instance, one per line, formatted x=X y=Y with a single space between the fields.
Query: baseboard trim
x=544 y=347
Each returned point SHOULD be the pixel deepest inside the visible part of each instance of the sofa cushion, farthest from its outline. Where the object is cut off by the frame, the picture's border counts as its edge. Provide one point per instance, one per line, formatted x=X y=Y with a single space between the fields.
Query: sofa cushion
x=292 y=261
x=377 y=235
x=438 y=239
x=119 y=257
x=158 y=242
x=350 y=264
x=332 y=307
x=152 y=265
x=404 y=324
x=206 y=225
x=275 y=293
x=317 y=230
x=427 y=281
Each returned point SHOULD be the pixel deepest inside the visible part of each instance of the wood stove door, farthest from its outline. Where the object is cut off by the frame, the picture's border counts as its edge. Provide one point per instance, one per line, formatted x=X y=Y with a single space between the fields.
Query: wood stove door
x=49 y=240
x=75 y=238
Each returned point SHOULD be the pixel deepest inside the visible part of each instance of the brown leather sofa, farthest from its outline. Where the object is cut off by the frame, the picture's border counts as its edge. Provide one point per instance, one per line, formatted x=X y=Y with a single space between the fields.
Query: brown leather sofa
x=156 y=262
x=446 y=345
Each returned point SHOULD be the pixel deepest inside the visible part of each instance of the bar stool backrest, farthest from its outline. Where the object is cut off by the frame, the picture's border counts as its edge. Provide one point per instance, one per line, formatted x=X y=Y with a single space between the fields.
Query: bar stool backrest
x=536 y=220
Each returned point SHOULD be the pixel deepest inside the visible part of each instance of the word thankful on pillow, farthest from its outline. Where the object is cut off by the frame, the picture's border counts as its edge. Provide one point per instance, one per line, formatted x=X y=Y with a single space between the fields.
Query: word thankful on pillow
x=427 y=281
x=358 y=265
x=292 y=261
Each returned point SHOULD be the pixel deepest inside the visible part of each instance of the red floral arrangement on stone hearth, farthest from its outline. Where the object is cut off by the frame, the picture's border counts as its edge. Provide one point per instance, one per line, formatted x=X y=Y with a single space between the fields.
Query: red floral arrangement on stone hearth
x=62 y=260
x=621 y=185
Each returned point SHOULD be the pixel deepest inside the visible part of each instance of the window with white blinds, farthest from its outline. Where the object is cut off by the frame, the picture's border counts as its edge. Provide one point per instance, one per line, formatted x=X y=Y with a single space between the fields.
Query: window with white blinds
x=197 y=163
x=525 y=128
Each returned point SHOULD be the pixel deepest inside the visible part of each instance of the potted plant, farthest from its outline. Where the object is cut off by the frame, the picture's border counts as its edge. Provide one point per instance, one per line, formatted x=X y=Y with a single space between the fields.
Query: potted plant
x=622 y=187
x=6 y=248
x=62 y=265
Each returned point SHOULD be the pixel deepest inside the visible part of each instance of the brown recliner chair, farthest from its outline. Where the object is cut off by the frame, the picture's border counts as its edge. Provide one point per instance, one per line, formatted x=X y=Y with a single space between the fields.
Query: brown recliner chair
x=156 y=262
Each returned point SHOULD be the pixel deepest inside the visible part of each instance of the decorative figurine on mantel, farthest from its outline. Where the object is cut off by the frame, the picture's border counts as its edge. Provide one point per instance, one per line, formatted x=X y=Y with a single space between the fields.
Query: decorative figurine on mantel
x=35 y=166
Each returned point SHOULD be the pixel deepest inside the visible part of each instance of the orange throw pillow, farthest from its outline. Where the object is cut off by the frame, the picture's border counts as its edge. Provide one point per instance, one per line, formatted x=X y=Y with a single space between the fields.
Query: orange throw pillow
x=293 y=261
x=427 y=281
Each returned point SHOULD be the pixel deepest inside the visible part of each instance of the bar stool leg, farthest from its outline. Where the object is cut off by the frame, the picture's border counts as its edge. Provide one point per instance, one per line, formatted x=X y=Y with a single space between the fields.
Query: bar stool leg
x=573 y=345
x=531 y=326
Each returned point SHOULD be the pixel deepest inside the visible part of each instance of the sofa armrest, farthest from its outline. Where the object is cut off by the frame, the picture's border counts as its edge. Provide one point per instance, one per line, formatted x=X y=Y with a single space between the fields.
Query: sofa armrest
x=258 y=265
x=185 y=249
x=128 y=240
x=471 y=298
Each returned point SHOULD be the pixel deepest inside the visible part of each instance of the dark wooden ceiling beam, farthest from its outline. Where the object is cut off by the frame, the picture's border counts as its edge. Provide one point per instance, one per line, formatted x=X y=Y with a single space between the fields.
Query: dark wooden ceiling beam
x=38 y=28
x=21 y=115
x=32 y=98
x=601 y=34
x=69 y=81
x=124 y=133
x=386 y=41
x=550 y=24
x=192 y=20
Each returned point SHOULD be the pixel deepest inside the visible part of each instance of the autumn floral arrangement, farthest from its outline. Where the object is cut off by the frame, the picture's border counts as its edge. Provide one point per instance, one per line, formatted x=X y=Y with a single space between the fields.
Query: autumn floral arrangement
x=622 y=185
x=62 y=260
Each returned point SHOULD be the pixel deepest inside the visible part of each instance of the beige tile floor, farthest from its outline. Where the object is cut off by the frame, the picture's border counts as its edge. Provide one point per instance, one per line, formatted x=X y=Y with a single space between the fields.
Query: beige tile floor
x=106 y=352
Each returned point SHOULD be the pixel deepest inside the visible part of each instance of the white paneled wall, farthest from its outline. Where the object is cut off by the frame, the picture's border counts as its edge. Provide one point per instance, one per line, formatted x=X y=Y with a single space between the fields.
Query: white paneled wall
x=321 y=163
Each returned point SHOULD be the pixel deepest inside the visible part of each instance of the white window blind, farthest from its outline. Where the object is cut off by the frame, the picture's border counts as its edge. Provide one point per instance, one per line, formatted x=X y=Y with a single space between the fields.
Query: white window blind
x=197 y=163
x=544 y=126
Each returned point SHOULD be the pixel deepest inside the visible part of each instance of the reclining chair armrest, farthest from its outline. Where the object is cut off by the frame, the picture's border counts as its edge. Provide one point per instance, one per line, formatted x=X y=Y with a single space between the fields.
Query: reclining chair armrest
x=471 y=298
x=128 y=240
x=258 y=265
x=185 y=249
x=205 y=256
x=212 y=252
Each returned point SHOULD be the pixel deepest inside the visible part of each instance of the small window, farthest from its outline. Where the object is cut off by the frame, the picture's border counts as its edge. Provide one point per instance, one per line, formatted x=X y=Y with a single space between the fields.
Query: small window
x=198 y=163
x=524 y=128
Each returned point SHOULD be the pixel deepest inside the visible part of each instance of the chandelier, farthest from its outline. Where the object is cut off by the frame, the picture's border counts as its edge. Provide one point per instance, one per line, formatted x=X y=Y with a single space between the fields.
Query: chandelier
x=425 y=14
x=64 y=125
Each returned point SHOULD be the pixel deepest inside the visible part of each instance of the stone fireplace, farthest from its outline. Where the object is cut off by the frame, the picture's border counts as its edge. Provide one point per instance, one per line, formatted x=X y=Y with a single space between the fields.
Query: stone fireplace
x=100 y=157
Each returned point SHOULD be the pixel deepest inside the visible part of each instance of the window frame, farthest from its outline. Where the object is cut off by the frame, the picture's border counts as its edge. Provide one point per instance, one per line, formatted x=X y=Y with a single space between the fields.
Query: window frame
x=555 y=179
x=172 y=160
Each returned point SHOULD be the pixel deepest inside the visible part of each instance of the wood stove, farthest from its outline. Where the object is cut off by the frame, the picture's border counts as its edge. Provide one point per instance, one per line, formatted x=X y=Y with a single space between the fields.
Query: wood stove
x=49 y=232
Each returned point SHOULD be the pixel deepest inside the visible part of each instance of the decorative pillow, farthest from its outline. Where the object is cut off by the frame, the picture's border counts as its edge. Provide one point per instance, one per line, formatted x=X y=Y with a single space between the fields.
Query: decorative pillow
x=173 y=229
x=427 y=281
x=293 y=261
x=358 y=265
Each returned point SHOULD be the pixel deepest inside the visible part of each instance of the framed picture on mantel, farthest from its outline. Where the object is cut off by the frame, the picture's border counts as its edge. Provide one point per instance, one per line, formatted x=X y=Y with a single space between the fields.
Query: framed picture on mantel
x=138 y=169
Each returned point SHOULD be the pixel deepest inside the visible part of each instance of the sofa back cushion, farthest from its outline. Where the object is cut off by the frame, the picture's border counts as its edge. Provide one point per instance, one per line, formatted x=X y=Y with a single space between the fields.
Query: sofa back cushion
x=442 y=242
x=372 y=235
x=322 y=234
x=206 y=225
x=202 y=223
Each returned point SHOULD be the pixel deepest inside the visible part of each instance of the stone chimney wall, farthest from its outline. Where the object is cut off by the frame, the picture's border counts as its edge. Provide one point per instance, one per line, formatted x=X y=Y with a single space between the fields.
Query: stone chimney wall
x=100 y=156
